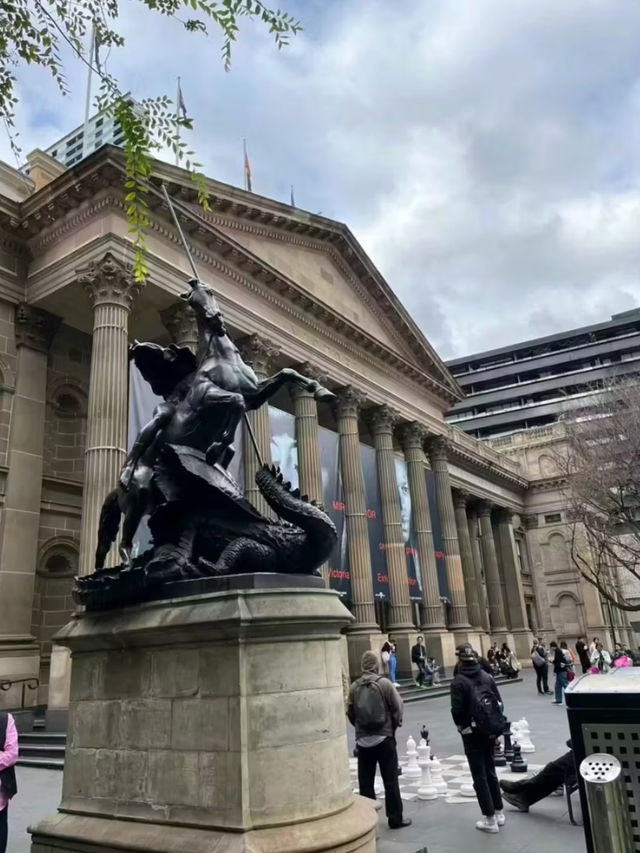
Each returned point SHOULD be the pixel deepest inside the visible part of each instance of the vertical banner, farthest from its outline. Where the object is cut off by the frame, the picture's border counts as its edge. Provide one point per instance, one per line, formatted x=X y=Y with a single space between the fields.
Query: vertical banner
x=333 y=500
x=374 y=523
x=436 y=528
x=284 y=450
x=408 y=533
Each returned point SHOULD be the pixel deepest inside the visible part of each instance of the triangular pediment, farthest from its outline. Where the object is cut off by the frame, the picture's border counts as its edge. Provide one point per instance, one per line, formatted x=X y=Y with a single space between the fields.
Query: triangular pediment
x=316 y=272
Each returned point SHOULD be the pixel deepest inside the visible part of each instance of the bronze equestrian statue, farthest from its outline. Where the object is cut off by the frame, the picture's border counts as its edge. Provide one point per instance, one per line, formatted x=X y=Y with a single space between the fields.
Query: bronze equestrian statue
x=176 y=473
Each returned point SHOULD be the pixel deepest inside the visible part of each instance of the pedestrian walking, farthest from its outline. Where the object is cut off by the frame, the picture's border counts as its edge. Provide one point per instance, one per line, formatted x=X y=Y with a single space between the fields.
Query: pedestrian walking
x=389 y=658
x=476 y=708
x=540 y=661
x=375 y=709
x=419 y=657
x=583 y=654
x=560 y=669
x=8 y=758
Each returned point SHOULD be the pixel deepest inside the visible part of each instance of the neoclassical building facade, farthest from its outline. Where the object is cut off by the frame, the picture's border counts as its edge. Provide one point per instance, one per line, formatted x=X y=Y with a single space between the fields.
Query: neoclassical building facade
x=459 y=557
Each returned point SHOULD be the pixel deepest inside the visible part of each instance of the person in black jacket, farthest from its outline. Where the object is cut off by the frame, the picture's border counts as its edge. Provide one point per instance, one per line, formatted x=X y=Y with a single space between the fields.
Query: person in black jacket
x=419 y=657
x=539 y=659
x=582 y=651
x=560 y=668
x=478 y=747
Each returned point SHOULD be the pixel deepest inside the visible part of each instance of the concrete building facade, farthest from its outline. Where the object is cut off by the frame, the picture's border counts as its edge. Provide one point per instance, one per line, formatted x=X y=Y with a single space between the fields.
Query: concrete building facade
x=296 y=290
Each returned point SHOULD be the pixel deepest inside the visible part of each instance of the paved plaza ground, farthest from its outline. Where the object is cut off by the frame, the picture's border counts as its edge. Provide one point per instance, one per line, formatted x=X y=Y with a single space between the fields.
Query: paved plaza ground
x=437 y=826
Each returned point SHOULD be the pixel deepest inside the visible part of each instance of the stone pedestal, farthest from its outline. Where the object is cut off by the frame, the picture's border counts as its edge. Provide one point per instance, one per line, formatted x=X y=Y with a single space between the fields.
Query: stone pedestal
x=213 y=721
x=441 y=645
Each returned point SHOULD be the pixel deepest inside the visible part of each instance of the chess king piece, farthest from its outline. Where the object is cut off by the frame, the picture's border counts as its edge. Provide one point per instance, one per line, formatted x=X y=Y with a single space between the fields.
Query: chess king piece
x=436 y=776
x=518 y=765
x=427 y=790
x=412 y=770
x=498 y=755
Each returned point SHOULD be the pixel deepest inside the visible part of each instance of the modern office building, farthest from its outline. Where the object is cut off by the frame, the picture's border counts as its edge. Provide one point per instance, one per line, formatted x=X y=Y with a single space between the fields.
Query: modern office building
x=531 y=384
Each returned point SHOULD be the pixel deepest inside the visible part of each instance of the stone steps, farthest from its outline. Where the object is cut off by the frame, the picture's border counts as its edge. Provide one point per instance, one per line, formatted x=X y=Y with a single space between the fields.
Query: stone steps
x=42 y=749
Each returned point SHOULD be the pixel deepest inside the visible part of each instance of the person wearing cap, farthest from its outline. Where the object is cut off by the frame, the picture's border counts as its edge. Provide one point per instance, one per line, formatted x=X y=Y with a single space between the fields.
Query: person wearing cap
x=470 y=685
x=375 y=709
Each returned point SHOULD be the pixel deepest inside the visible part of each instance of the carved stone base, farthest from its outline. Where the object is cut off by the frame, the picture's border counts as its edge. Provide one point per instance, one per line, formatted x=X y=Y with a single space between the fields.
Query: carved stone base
x=210 y=721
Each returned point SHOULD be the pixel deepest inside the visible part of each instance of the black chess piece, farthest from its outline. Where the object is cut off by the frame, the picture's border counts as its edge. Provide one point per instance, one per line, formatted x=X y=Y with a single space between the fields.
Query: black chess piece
x=424 y=733
x=508 y=746
x=498 y=755
x=518 y=765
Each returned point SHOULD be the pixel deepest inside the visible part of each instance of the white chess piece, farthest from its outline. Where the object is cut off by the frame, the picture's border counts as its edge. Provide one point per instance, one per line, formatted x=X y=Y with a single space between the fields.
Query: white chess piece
x=412 y=770
x=524 y=739
x=467 y=789
x=436 y=776
x=427 y=790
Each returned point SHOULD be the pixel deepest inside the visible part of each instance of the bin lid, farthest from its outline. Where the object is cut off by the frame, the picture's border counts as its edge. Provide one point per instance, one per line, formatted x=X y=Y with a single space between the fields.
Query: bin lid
x=618 y=680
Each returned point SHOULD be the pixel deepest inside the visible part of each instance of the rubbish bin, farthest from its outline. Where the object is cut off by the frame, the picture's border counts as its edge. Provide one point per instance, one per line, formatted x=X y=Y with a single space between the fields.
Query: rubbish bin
x=603 y=778
x=604 y=717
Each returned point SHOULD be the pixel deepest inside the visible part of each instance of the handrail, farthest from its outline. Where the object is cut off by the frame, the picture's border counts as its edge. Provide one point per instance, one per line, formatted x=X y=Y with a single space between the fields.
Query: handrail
x=31 y=683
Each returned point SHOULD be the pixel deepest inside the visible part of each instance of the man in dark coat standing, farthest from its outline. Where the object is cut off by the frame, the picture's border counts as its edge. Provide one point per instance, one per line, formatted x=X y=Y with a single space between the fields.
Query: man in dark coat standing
x=478 y=746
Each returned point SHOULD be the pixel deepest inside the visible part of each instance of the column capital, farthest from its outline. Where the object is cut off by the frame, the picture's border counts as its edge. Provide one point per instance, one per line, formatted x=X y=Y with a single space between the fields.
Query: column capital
x=181 y=323
x=437 y=448
x=412 y=435
x=311 y=372
x=505 y=515
x=258 y=352
x=530 y=522
x=348 y=402
x=460 y=499
x=108 y=281
x=381 y=419
x=484 y=509
x=34 y=327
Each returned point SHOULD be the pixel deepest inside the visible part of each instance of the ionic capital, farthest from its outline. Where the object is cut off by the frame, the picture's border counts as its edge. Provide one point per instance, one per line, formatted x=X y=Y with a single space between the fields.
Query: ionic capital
x=412 y=436
x=34 y=327
x=258 y=352
x=381 y=419
x=348 y=402
x=109 y=282
x=180 y=321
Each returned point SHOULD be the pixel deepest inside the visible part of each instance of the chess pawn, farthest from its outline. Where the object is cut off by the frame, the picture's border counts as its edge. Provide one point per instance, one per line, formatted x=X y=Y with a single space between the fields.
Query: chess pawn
x=467 y=789
x=518 y=765
x=412 y=770
x=524 y=739
x=498 y=755
x=436 y=776
x=508 y=746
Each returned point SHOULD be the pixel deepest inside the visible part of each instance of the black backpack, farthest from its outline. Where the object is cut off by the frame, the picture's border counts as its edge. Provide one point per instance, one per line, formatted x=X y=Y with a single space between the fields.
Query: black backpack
x=485 y=708
x=369 y=706
x=8 y=775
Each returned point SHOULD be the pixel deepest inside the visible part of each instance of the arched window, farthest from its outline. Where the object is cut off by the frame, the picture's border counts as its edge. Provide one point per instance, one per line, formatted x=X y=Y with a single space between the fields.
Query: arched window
x=569 y=615
x=67 y=433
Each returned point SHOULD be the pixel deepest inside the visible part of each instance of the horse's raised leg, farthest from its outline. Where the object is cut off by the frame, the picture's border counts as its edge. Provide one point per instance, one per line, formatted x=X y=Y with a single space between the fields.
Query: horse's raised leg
x=287 y=376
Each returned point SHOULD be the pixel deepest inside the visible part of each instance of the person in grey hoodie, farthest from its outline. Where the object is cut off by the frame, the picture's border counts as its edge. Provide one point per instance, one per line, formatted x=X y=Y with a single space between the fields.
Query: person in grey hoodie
x=375 y=738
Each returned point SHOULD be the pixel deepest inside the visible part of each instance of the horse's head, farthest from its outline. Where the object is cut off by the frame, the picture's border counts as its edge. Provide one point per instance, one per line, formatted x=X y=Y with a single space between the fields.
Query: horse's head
x=202 y=299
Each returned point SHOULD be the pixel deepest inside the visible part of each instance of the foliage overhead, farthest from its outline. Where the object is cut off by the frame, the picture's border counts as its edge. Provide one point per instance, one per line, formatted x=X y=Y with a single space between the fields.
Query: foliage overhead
x=38 y=32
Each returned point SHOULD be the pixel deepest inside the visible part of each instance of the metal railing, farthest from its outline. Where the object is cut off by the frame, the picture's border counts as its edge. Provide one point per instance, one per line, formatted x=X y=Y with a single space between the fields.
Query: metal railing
x=27 y=684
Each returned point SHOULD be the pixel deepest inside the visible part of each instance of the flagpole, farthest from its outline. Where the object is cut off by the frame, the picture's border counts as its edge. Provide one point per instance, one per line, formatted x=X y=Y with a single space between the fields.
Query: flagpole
x=244 y=164
x=177 y=125
x=87 y=103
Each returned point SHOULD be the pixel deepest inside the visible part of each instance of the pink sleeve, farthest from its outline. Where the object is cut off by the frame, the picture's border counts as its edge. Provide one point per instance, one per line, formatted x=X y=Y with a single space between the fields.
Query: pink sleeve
x=9 y=756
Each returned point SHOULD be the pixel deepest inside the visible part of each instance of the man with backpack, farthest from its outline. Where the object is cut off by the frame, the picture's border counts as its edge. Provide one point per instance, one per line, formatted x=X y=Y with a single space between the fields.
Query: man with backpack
x=476 y=708
x=375 y=709
x=8 y=758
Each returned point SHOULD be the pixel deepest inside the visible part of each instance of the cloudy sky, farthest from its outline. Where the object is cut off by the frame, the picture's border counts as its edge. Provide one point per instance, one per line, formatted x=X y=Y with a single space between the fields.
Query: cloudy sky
x=486 y=153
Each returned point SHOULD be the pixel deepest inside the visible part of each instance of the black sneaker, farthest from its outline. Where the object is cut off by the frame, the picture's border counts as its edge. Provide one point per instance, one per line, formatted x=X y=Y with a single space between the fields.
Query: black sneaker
x=515 y=800
x=404 y=822
x=509 y=787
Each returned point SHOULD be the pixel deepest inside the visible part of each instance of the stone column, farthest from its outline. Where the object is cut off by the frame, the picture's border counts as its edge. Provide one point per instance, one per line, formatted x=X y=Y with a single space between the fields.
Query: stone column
x=180 y=321
x=440 y=643
x=472 y=519
x=19 y=653
x=497 y=616
x=347 y=406
x=111 y=289
x=536 y=565
x=381 y=421
x=522 y=635
x=459 y=618
x=471 y=587
x=259 y=354
x=305 y=410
